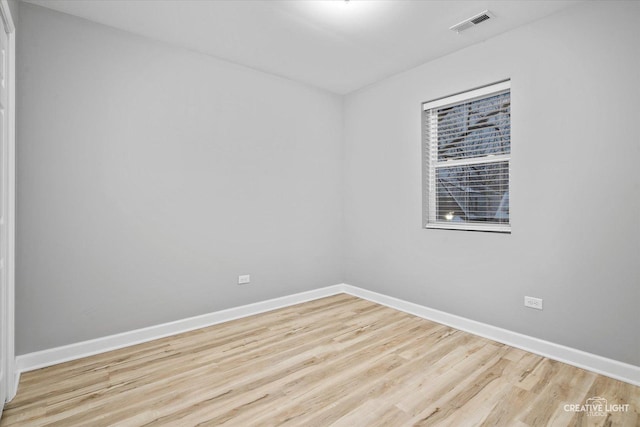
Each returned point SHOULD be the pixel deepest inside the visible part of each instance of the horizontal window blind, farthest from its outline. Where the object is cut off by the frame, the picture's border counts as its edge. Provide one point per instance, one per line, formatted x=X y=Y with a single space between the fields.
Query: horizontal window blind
x=468 y=145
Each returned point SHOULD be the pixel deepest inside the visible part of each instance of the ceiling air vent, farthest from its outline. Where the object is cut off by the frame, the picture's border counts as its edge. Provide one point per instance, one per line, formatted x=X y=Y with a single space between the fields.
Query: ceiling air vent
x=473 y=21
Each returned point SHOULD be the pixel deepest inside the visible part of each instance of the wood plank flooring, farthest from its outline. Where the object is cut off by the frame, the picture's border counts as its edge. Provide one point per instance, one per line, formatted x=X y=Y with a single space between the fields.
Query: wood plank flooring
x=339 y=361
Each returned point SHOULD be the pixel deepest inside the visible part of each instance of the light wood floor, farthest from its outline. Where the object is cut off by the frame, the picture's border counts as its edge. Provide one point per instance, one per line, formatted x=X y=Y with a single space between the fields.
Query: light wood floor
x=339 y=361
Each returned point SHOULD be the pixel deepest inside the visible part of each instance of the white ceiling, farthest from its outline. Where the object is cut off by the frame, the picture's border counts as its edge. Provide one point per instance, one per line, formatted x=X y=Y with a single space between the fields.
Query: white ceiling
x=332 y=44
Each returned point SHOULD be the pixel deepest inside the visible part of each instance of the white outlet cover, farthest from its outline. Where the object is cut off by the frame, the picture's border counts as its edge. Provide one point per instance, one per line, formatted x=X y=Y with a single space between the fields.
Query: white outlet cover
x=244 y=279
x=533 y=302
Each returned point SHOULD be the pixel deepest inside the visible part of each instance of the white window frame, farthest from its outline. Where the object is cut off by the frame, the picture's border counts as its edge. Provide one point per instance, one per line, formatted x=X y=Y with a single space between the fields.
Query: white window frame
x=430 y=161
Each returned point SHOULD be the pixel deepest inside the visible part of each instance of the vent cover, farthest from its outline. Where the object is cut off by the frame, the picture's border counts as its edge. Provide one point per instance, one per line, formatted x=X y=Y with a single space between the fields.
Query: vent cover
x=473 y=21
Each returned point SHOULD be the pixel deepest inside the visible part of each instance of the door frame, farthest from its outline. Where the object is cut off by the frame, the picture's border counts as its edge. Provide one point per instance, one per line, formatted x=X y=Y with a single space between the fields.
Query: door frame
x=11 y=377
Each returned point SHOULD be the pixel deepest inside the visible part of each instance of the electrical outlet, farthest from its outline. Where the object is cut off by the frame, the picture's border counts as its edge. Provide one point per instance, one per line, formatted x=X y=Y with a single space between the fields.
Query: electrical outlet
x=533 y=302
x=244 y=279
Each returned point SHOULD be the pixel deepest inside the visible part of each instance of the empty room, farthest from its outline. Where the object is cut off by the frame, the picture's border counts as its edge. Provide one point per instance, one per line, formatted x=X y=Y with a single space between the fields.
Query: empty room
x=319 y=213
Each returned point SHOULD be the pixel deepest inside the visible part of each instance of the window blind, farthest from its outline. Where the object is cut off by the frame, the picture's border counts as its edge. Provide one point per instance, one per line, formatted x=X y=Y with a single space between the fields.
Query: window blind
x=467 y=142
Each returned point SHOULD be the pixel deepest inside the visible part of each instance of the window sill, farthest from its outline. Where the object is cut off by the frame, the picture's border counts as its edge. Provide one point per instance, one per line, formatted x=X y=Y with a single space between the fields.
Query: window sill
x=493 y=228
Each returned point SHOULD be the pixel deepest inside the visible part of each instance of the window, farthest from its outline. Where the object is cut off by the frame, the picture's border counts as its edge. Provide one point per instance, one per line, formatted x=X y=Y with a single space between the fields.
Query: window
x=467 y=148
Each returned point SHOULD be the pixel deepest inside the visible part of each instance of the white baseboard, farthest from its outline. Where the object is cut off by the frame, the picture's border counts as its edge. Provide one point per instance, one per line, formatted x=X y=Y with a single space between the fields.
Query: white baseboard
x=53 y=356
x=601 y=365
x=571 y=356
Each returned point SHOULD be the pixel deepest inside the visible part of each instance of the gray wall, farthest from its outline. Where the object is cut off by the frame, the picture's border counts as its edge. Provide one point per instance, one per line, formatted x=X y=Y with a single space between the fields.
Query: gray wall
x=149 y=177
x=575 y=203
